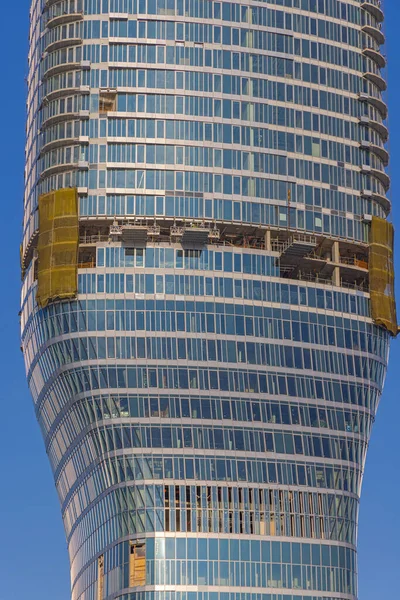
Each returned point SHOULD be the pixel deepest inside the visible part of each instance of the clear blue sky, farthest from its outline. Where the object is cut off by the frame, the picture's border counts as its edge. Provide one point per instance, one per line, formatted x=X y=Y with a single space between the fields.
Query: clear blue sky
x=33 y=556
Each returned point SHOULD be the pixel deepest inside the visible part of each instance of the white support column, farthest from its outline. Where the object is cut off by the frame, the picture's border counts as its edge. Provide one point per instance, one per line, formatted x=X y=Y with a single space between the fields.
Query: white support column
x=336 y=260
x=268 y=245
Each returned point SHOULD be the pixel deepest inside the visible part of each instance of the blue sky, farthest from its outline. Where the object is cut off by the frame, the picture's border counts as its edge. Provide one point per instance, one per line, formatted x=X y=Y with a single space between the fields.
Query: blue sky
x=33 y=555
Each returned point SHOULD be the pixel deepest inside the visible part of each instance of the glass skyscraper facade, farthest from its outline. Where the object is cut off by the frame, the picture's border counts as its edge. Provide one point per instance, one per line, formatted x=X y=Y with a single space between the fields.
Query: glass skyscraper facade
x=204 y=324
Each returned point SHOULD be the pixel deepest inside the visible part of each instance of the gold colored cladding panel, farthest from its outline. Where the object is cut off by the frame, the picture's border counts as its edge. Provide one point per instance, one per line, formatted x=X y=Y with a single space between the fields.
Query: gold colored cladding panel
x=381 y=275
x=58 y=246
x=137 y=565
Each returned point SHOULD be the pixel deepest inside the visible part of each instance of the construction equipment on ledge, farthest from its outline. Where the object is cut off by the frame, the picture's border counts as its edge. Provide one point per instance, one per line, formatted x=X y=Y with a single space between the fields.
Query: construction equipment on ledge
x=323 y=260
x=296 y=246
x=58 y=246
x=383 y=303
x=133 y=234
x=195 y=233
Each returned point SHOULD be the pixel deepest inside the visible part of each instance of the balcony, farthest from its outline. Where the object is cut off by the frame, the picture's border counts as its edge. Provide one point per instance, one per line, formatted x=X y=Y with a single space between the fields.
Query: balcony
x=63 y=44
x=64 y=19
x=377 y=57
x=61 y=68
x=58 y=168
x=379 y=151
x=379 y=198
x=373 y=7
x=57 y=144
x=54 y=119
x=377 y=103
x=380 y=175
x=375 y=33
x=53 y=95
x=376 y=80
x=380 y=128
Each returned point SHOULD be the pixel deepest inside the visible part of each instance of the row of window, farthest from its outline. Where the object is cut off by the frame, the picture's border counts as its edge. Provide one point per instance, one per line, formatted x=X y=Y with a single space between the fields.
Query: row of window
x=198 y=350
x=201 y=81
x=275 y=576
x=265 y=17
x=184 y=205
x=178 y=595
x=227 y=11
x=227 y=260
x=224 y=132
x=207 y=317
x=198 y=156
x=258 y=112
x=197 y=33
x=63 y=81
x=219 y=287
x=208 y=183
x=92 y=377
x=205 y=408
x=248 y=511
x=81 y=457
x=188 y=182
x=61 y=7
x=146 y=467
x=83 y=414
x=179 y=54
x=190 y=206
x=208 y=509
x=208 y=158
x=288 y=574
x=217 y=59
x=61 y=56
x=201 y=131
x=274 y=513
x=244 y=110
x=205 y=33
x=92 y=409
x=200 y=437
x=260 y=321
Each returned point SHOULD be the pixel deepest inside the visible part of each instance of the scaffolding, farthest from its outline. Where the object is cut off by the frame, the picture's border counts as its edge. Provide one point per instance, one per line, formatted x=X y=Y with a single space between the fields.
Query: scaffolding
x=58 y=246
x=383 y=303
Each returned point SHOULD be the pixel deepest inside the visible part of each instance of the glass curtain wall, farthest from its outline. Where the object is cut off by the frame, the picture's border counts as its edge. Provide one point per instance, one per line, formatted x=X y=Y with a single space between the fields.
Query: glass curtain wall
x=207 y=396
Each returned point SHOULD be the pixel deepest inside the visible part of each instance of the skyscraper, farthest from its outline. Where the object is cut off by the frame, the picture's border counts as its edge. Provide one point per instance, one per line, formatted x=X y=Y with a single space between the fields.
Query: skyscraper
x=207 y=297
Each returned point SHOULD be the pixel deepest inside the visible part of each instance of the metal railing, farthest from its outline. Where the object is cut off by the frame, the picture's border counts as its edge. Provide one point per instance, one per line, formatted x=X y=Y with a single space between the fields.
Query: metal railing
x=87 y=265
x=92 y=239
x=354 y=262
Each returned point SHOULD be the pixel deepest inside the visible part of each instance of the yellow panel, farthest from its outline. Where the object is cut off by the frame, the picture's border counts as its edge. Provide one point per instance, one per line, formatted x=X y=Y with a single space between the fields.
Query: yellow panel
x=137 y=565
x=383 y=303
x=58 y=246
